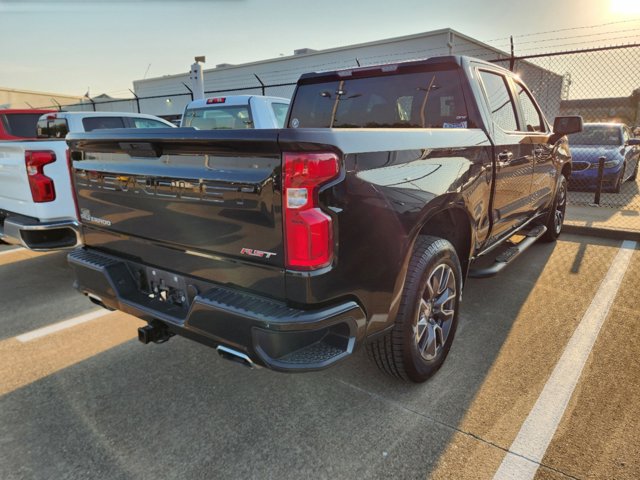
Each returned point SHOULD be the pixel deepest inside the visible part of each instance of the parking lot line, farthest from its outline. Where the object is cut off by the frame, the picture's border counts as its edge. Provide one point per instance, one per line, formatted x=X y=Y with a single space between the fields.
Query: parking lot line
x=18 y=255
x=32 y=361
x=528 y=448
x=11 y=250
x=56 y=327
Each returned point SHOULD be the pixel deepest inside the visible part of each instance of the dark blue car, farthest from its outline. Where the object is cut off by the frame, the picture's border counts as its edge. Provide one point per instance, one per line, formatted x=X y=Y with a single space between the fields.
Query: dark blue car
x=610 y=140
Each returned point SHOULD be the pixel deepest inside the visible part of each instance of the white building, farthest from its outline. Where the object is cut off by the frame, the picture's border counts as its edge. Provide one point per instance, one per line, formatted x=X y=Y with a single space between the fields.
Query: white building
x=25 y=99
x=167 y=96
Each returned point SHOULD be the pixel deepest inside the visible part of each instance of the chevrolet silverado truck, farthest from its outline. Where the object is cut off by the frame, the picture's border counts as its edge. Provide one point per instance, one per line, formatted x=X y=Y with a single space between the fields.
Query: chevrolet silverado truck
x=356 y=225
x=236 y=112
x=37 y=210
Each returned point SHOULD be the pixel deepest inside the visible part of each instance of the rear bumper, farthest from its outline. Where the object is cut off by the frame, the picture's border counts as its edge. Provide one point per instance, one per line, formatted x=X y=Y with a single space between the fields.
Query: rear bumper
x=39 y=236
x=269 y=332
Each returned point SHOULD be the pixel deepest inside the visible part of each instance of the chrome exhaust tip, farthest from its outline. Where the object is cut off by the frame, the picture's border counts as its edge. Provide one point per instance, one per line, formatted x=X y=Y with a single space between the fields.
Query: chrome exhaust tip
x=235 y=356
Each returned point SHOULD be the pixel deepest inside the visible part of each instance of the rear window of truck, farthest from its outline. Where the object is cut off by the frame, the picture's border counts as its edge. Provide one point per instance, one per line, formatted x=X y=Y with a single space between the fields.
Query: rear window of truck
x=407 y=100
x=218 y=118
x=20 y=124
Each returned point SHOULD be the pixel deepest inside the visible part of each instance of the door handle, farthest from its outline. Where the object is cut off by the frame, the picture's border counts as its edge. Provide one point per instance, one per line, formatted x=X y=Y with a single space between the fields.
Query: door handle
x=504 y=158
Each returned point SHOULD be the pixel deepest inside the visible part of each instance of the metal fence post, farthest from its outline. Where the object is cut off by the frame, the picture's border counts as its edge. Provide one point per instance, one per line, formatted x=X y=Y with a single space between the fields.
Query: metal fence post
x=601 y=161
x=190 y=91
x=137 y=100
x=512 y=60
x=262 y=85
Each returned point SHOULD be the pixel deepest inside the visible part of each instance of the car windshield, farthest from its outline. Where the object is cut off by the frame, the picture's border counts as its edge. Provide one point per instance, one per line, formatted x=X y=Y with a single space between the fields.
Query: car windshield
x=597 y=135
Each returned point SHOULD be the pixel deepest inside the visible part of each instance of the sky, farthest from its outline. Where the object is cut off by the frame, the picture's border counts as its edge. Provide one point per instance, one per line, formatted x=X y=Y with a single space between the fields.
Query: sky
x=69 y=46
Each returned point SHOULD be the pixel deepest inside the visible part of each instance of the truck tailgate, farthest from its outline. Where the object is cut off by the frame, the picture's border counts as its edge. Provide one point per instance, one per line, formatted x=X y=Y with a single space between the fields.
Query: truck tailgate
x=202 y=203
x=15 y=191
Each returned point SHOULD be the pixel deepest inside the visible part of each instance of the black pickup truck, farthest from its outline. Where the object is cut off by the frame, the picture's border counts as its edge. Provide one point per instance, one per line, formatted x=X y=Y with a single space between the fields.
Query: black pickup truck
x=355 y=225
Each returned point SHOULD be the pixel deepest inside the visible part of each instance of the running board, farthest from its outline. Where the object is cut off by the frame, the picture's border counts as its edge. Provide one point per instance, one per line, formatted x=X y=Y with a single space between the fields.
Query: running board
x=510 y=254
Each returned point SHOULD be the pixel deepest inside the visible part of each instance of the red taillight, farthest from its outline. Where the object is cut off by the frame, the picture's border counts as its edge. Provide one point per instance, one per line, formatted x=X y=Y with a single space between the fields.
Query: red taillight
x=308 y=230
x=42 y=189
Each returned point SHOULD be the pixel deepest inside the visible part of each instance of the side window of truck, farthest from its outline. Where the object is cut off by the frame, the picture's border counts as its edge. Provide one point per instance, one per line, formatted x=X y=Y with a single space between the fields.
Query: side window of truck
x=499 y=100
x=533 y=119
x=147 y=123
x=280 y=111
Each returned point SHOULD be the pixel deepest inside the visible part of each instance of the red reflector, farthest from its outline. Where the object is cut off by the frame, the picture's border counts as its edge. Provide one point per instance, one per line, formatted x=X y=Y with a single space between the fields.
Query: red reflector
x=308 y=230
x=216 y=100
x=42 y=188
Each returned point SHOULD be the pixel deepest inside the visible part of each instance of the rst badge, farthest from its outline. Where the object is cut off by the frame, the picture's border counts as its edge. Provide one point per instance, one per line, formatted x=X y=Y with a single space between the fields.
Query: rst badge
x=257 y=253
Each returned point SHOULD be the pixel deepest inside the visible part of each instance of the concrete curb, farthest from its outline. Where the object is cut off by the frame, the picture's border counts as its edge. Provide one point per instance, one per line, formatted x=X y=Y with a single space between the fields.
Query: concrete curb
x=601 y=232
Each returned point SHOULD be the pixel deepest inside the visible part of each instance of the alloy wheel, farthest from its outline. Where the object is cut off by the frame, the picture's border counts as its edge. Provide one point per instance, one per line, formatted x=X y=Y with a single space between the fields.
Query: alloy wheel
x=436 y=312
x=561 y=206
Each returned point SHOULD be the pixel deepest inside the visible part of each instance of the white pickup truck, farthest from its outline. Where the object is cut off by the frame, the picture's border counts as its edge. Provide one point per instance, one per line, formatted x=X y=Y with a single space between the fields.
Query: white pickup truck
x=236 y=112
x=37 y=209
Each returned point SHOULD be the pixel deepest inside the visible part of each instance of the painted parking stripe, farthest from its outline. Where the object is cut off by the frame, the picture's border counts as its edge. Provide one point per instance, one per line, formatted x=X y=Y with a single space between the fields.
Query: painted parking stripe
x=56 y=327
x=528 y=449
x=11 y=250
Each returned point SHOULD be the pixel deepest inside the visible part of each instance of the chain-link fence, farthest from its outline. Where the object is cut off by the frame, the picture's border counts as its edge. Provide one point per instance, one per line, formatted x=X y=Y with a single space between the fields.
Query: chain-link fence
x=178 y=101
x=600 y=84
x=603 y=86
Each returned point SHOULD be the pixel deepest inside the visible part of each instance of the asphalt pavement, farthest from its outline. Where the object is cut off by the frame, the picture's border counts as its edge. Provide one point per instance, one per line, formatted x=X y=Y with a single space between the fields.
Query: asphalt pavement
x=89 y=401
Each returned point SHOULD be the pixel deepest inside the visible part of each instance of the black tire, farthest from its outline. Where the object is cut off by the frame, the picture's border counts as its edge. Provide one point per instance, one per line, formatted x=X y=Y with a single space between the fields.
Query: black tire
x=555 y=219
x=426 y=323
x=634 y=175
x=618 y=185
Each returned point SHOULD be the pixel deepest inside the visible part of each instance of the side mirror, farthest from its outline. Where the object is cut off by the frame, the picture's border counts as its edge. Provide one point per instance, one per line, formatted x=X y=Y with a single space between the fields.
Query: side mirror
x=633 y=142
x=566 y=125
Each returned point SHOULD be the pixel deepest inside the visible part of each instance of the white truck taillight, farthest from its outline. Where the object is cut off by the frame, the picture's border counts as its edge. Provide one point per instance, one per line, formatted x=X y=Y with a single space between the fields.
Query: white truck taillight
x=308 y=230
x=42 y=188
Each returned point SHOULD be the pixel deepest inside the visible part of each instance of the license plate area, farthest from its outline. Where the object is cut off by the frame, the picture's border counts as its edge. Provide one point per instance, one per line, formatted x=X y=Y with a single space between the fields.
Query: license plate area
x=164 y=287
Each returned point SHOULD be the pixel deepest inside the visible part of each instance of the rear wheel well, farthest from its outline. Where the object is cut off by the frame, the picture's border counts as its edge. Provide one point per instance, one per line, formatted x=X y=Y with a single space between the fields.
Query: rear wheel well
x=452 y=225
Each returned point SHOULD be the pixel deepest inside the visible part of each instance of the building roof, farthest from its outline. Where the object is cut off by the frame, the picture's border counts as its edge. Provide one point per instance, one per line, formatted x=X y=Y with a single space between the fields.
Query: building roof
x=33 y=92
x=308 y=53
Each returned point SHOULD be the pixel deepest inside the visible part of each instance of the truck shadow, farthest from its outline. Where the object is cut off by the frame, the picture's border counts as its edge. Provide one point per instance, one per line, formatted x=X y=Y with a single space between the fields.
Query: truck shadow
x=35 y=292
x=178 y=411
